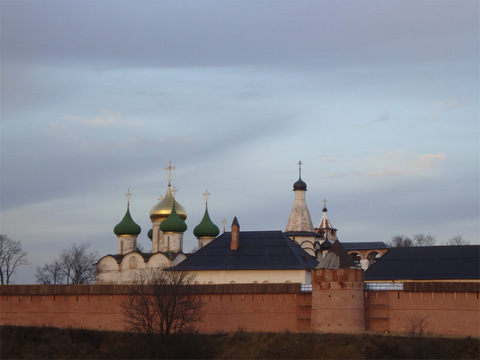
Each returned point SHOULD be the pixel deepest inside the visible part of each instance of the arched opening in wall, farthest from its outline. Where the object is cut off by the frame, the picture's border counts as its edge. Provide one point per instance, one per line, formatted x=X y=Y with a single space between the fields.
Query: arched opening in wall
x=232 y=282
x=356 y=258
x=373 y=257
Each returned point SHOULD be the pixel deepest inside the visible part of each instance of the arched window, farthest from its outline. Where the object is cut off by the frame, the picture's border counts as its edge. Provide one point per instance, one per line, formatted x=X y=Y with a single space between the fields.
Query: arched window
x=356 y=258
x=373 y=257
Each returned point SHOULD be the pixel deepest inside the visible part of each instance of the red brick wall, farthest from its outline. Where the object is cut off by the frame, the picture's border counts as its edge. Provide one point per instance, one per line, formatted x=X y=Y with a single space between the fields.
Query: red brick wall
x=256 y=308
x=447 y=313
x=256 y=312
x=336 y=304
x=102 y=312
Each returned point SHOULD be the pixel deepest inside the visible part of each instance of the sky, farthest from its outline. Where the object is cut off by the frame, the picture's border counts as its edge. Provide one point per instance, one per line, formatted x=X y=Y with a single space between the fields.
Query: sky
x=378 y=99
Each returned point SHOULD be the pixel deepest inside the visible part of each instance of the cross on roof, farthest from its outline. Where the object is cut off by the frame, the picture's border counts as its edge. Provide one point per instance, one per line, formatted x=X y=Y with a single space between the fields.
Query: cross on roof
x=174 y=191
x=206 y=194
x=170 y=168
x=300 y=168
x=224 y=222
x=324 y=202
x=160 y=198
x=128 y=194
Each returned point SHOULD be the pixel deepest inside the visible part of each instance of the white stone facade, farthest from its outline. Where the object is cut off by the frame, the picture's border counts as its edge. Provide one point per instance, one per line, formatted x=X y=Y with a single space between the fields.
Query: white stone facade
x=299 y=219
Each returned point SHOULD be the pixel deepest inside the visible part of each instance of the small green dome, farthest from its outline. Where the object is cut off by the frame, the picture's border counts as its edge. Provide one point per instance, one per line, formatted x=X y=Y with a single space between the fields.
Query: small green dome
x=127 y=226
x=173 y=223
x=150 y=234
x=206 y=228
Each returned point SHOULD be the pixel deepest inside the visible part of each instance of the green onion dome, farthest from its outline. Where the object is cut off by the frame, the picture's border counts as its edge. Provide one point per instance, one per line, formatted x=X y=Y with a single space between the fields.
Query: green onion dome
x=173 y=223
x=206 y=228
x=150 y=234
x=127 y=226
x=164 y=207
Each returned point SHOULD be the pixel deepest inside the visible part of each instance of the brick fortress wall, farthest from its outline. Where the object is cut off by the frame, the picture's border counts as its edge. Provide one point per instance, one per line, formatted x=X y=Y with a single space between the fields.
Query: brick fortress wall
x=252 y=307
x=337 y=303
x=443 y=308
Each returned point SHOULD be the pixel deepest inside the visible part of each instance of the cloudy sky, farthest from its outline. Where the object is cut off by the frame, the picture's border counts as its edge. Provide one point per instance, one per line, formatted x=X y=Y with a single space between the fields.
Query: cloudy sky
x=379 y=99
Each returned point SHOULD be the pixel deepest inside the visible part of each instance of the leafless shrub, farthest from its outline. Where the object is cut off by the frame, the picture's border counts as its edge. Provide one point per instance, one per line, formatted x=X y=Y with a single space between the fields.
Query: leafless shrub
x=11 y=257
x=166 y=303
x=424 y=240
x=417 y=326
x=458 y=240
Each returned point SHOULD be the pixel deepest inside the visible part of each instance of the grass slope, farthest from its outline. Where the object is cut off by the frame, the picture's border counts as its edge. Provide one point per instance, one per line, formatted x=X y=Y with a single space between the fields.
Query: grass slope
x=54 y=343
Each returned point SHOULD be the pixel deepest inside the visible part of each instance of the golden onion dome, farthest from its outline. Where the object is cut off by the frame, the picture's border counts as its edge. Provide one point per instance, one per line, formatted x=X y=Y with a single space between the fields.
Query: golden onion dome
x=164 y=208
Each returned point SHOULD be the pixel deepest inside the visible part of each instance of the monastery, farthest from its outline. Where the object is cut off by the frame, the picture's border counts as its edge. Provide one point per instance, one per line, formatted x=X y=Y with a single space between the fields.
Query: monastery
x=300 y=279
x=233 y=257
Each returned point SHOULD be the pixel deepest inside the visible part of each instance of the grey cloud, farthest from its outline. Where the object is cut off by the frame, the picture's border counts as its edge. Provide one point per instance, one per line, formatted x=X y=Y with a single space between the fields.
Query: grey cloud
x=228 y=33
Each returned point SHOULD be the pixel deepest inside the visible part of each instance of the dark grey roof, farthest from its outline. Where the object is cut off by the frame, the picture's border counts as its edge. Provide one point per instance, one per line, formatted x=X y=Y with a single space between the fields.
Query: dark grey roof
x=302 y=233
x=336 y=258
x=372 y=245
x=258 y=250
x=427 y=263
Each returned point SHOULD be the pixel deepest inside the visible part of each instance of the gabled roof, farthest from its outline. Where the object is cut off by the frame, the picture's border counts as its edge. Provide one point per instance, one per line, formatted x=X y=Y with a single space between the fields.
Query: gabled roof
x=367 y=245
x=258 y=250
x=427 y=263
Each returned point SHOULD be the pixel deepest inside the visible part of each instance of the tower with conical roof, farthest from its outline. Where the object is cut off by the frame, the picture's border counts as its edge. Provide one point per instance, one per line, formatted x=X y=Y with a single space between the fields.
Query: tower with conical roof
x=206 y=231
x=299 y=226
x=172 y=229
x=299 y=220
x=161 y=211
x=325 y=228
x=127 y=231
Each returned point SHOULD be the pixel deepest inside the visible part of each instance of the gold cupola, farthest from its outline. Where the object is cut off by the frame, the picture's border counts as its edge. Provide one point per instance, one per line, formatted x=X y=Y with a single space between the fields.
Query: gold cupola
x=164 y=207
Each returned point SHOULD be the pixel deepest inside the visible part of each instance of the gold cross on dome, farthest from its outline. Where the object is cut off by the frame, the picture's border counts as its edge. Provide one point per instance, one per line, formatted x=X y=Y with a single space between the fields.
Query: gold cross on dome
x=300 y=168
x=174 y=191
x=170 y=168
x=206 y=194
x=160 y=198
x=224 y=222
x=324 y=202
x=128 y=194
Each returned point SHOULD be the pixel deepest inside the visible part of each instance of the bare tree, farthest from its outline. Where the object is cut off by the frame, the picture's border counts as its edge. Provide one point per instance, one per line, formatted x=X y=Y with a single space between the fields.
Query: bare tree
x=400 y=241
x=458 y=240
x=75 y=265
x=424 y=240
x=417 y=326
x=165 y=303
x=50 y=273
x=11 y=257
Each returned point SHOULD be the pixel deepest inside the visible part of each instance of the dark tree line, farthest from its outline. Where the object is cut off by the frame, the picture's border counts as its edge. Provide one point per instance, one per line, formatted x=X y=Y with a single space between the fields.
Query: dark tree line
x=423 y=240
x=75 y=265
